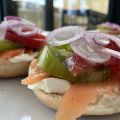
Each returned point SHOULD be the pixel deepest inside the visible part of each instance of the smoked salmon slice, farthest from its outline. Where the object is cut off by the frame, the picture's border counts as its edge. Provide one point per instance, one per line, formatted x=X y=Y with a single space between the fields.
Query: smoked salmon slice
x=33 y=63
x=34 y=78
x=11 y=53
x=77 y=98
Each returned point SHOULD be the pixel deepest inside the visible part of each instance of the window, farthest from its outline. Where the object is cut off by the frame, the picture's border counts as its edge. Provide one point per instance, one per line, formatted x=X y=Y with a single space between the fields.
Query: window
x=65 y=12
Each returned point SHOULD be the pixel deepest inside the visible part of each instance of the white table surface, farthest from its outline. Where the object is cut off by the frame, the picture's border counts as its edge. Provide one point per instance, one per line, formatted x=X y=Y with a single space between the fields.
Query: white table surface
x=19 y=103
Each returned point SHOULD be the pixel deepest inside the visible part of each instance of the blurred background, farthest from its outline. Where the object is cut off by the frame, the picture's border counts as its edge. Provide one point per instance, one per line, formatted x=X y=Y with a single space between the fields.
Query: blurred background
x=51 y=14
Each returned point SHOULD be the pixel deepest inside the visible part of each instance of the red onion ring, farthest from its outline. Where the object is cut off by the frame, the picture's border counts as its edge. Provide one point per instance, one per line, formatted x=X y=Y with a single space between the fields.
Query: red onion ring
x=90 y=53
x=6 y=18
x=18 y=25
x=92 y=47
x=65 y=35
x=3 y=29
x=89 y=45
x=96 y=36
x=111 y=52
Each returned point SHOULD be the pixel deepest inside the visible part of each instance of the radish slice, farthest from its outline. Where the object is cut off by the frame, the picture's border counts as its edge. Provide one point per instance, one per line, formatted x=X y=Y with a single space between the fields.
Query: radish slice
x=87 y=52
x=65 y=35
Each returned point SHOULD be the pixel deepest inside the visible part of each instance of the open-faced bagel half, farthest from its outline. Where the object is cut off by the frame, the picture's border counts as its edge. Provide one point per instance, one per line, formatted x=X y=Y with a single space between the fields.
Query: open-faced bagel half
x=106 y=104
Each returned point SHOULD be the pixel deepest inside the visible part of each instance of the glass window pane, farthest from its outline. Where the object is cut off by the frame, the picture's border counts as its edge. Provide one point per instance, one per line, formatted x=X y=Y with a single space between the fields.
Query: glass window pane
x=66 y=12
x=32 y=10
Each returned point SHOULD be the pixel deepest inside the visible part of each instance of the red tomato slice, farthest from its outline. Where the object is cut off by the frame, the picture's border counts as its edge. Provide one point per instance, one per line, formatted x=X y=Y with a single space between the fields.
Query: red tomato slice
x=114 y=63
x=77 y=65
x=34 y=41
x=113 y=45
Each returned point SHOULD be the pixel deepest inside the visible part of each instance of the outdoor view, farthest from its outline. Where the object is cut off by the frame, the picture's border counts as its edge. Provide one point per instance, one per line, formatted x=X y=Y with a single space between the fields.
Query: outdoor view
x=34 y=11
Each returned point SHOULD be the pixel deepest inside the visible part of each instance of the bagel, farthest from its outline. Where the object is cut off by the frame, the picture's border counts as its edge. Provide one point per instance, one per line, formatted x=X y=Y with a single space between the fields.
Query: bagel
x=9 y=69
x=106 y=104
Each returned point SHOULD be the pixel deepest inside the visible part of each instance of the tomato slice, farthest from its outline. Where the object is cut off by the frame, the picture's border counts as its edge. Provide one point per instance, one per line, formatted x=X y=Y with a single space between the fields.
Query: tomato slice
x=34 y=42
x=114 y=63
x=77 y=65
x=11 y=53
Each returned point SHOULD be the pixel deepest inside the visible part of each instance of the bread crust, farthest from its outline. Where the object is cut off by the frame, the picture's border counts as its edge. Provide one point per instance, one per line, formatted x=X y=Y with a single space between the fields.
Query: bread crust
x=9 y=70
x=105 y=104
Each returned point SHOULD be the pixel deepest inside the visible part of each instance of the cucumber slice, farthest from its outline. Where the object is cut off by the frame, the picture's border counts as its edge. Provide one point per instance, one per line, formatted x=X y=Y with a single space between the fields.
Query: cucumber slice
x=66 y=47
x=96 y=75
x=50 y=61
x=7 y=45
x=61 y=53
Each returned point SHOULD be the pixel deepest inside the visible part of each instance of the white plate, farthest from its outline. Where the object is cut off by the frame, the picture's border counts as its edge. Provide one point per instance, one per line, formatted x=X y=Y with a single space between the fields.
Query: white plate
x=19 y=103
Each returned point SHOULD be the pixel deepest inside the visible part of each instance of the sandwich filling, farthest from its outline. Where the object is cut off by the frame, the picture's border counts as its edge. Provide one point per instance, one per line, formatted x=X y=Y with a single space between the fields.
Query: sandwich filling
x=110 y=28
x=19 y=38
x=79 y=64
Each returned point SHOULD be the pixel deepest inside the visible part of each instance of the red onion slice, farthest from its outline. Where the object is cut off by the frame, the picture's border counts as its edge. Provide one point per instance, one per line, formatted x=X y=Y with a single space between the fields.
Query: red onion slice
x=20 y=26
x=5 y=25
x=65 y=35
x=111 y=52
x=3 y=29
x=92 y=47
x=6 y=18
x=87 y=52
x=100 y=38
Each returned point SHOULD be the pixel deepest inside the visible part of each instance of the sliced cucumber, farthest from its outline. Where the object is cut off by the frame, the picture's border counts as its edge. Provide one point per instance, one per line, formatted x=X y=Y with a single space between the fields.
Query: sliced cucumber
x=66 y=47
x=96 y=75
x=61 y=53
x=50 y=61
x=7 y=45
